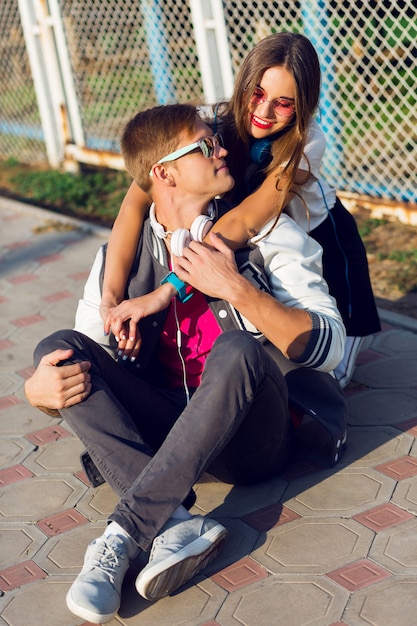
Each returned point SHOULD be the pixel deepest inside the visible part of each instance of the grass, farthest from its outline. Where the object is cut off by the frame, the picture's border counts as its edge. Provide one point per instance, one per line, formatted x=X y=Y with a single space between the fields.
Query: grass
x=392 y=248
x=368 y=226
x=93 y=194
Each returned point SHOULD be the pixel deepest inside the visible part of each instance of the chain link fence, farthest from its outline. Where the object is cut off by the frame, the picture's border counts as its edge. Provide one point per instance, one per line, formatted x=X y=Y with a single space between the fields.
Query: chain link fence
x=21 y=135
x=127 y=55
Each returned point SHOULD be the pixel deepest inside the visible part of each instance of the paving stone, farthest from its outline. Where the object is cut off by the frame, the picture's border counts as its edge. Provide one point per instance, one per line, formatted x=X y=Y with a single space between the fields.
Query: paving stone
x=351 y=490
x=20 y=419
x=241 y=574
x=48 y=434
x=413 y=432
x=383 y=516
x=61 y=456
x=97 y=504
x=14 y=474
x=392 y=602
x=300 y=468
x=8 y=401
x=9 y=383
x=367 y=356
x=382 y=407
x=19 y=279
x=19 y=355
x=14 y=450
x=58 y=296
x=403 y=467
x=29 y=336
x=312 y=545
x=230 y=501
x=369 y=446
x=61 y=522
x=268 y=517
x=5 y=344
x=61 y=314
x=64 y=553
x=20 y=574
x=359 y=574
x=240 y=541
x=392 y=372
x=396 y=548
x=191 y=606
x=26 y=372
x=42 y=603
x=19 y=542
x=289 y=600
x=395 y=341
x=28 y=320
x=35 y=498
x=405 y=495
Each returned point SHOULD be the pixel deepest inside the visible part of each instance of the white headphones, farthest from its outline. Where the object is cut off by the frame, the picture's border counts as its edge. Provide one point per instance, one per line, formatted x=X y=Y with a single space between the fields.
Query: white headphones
x=181 y=238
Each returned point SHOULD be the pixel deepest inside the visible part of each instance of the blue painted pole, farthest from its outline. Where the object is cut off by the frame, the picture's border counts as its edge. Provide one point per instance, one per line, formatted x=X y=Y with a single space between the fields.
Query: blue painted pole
x=158 y=51
x=317 y=28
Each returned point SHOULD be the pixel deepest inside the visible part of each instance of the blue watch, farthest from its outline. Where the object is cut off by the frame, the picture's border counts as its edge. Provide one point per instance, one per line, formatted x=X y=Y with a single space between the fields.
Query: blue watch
x=179 y=285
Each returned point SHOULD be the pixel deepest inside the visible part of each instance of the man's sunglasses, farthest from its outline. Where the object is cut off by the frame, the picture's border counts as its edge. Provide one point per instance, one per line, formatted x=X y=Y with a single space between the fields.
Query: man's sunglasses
x=281 y=106
x=207 y=145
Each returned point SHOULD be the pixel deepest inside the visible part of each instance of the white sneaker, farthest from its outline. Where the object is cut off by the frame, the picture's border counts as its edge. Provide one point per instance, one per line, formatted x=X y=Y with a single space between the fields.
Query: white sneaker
x=95 y=593
x=180 y=551
x=344 y=371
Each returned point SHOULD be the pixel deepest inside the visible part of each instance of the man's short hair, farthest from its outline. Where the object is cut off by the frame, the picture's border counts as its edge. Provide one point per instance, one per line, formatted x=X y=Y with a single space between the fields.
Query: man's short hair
x=151 y=134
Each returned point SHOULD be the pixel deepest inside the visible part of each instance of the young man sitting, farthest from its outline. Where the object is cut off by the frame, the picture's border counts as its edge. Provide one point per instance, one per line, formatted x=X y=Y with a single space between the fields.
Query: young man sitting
x=205 y=392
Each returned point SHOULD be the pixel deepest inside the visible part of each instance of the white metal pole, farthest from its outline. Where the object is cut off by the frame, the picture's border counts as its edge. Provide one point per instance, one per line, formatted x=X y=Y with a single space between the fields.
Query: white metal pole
x=223 y=47
x=212 y=48
x=71 y=100
x=34 y=29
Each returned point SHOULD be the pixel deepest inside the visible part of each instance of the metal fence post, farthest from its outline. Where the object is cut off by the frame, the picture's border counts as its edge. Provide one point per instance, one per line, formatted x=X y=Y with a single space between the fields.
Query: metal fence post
x=316 y=23
x=70 y=111
x=52 y=77
x=45 y=72
x=158 y=51
x=213 y=49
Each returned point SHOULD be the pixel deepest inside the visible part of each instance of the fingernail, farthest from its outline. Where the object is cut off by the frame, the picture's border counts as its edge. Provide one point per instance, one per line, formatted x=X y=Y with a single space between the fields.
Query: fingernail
x=133 y=358
x=105 y=334
x=117 y=338
x=120 y=352
x=124 y=357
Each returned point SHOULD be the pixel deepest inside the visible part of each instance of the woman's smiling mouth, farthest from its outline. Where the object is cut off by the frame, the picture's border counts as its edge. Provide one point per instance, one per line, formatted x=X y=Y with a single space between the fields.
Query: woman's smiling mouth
x=260 y=123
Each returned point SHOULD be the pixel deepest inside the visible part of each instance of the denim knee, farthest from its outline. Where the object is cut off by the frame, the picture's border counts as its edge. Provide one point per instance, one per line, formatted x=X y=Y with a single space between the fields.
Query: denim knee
x=66 y=339
x=238 y=342
x=242 y=351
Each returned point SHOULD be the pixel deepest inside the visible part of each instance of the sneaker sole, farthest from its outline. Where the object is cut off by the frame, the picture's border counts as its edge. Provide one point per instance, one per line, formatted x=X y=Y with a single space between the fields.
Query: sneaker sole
x=171 y=573
x=90 y=616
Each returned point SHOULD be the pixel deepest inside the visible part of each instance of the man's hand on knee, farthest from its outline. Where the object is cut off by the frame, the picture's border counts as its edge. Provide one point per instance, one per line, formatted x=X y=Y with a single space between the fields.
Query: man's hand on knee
x=54 y=388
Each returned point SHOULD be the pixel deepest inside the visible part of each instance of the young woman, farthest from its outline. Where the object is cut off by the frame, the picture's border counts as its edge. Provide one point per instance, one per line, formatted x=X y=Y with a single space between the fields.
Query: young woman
x=275 y=153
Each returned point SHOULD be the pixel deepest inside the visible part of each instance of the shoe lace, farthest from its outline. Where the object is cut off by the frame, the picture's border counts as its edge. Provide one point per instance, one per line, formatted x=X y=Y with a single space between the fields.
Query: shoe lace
x=108 y=558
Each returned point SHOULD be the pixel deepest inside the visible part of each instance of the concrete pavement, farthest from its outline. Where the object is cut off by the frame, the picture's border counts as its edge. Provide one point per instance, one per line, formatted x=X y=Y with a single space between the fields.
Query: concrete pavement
x=316 y=546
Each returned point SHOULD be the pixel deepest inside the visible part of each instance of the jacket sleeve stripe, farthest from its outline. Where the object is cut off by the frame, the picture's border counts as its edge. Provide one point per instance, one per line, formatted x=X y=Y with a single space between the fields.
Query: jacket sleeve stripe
x=319 y=345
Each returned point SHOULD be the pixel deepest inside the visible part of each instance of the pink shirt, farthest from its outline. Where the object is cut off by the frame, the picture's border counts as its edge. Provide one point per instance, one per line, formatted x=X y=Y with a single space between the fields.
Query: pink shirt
x=198 y=331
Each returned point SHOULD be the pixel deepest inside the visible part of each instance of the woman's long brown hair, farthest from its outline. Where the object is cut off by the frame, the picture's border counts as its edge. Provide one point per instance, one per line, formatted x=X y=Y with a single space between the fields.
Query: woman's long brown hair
x=297 y=55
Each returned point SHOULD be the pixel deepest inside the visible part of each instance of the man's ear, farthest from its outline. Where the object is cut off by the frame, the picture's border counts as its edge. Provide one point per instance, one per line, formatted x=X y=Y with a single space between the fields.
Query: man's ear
x=163 y=174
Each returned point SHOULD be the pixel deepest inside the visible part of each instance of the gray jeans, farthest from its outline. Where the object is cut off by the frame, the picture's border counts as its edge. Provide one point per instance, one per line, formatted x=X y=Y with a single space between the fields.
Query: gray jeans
x=152 y=447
